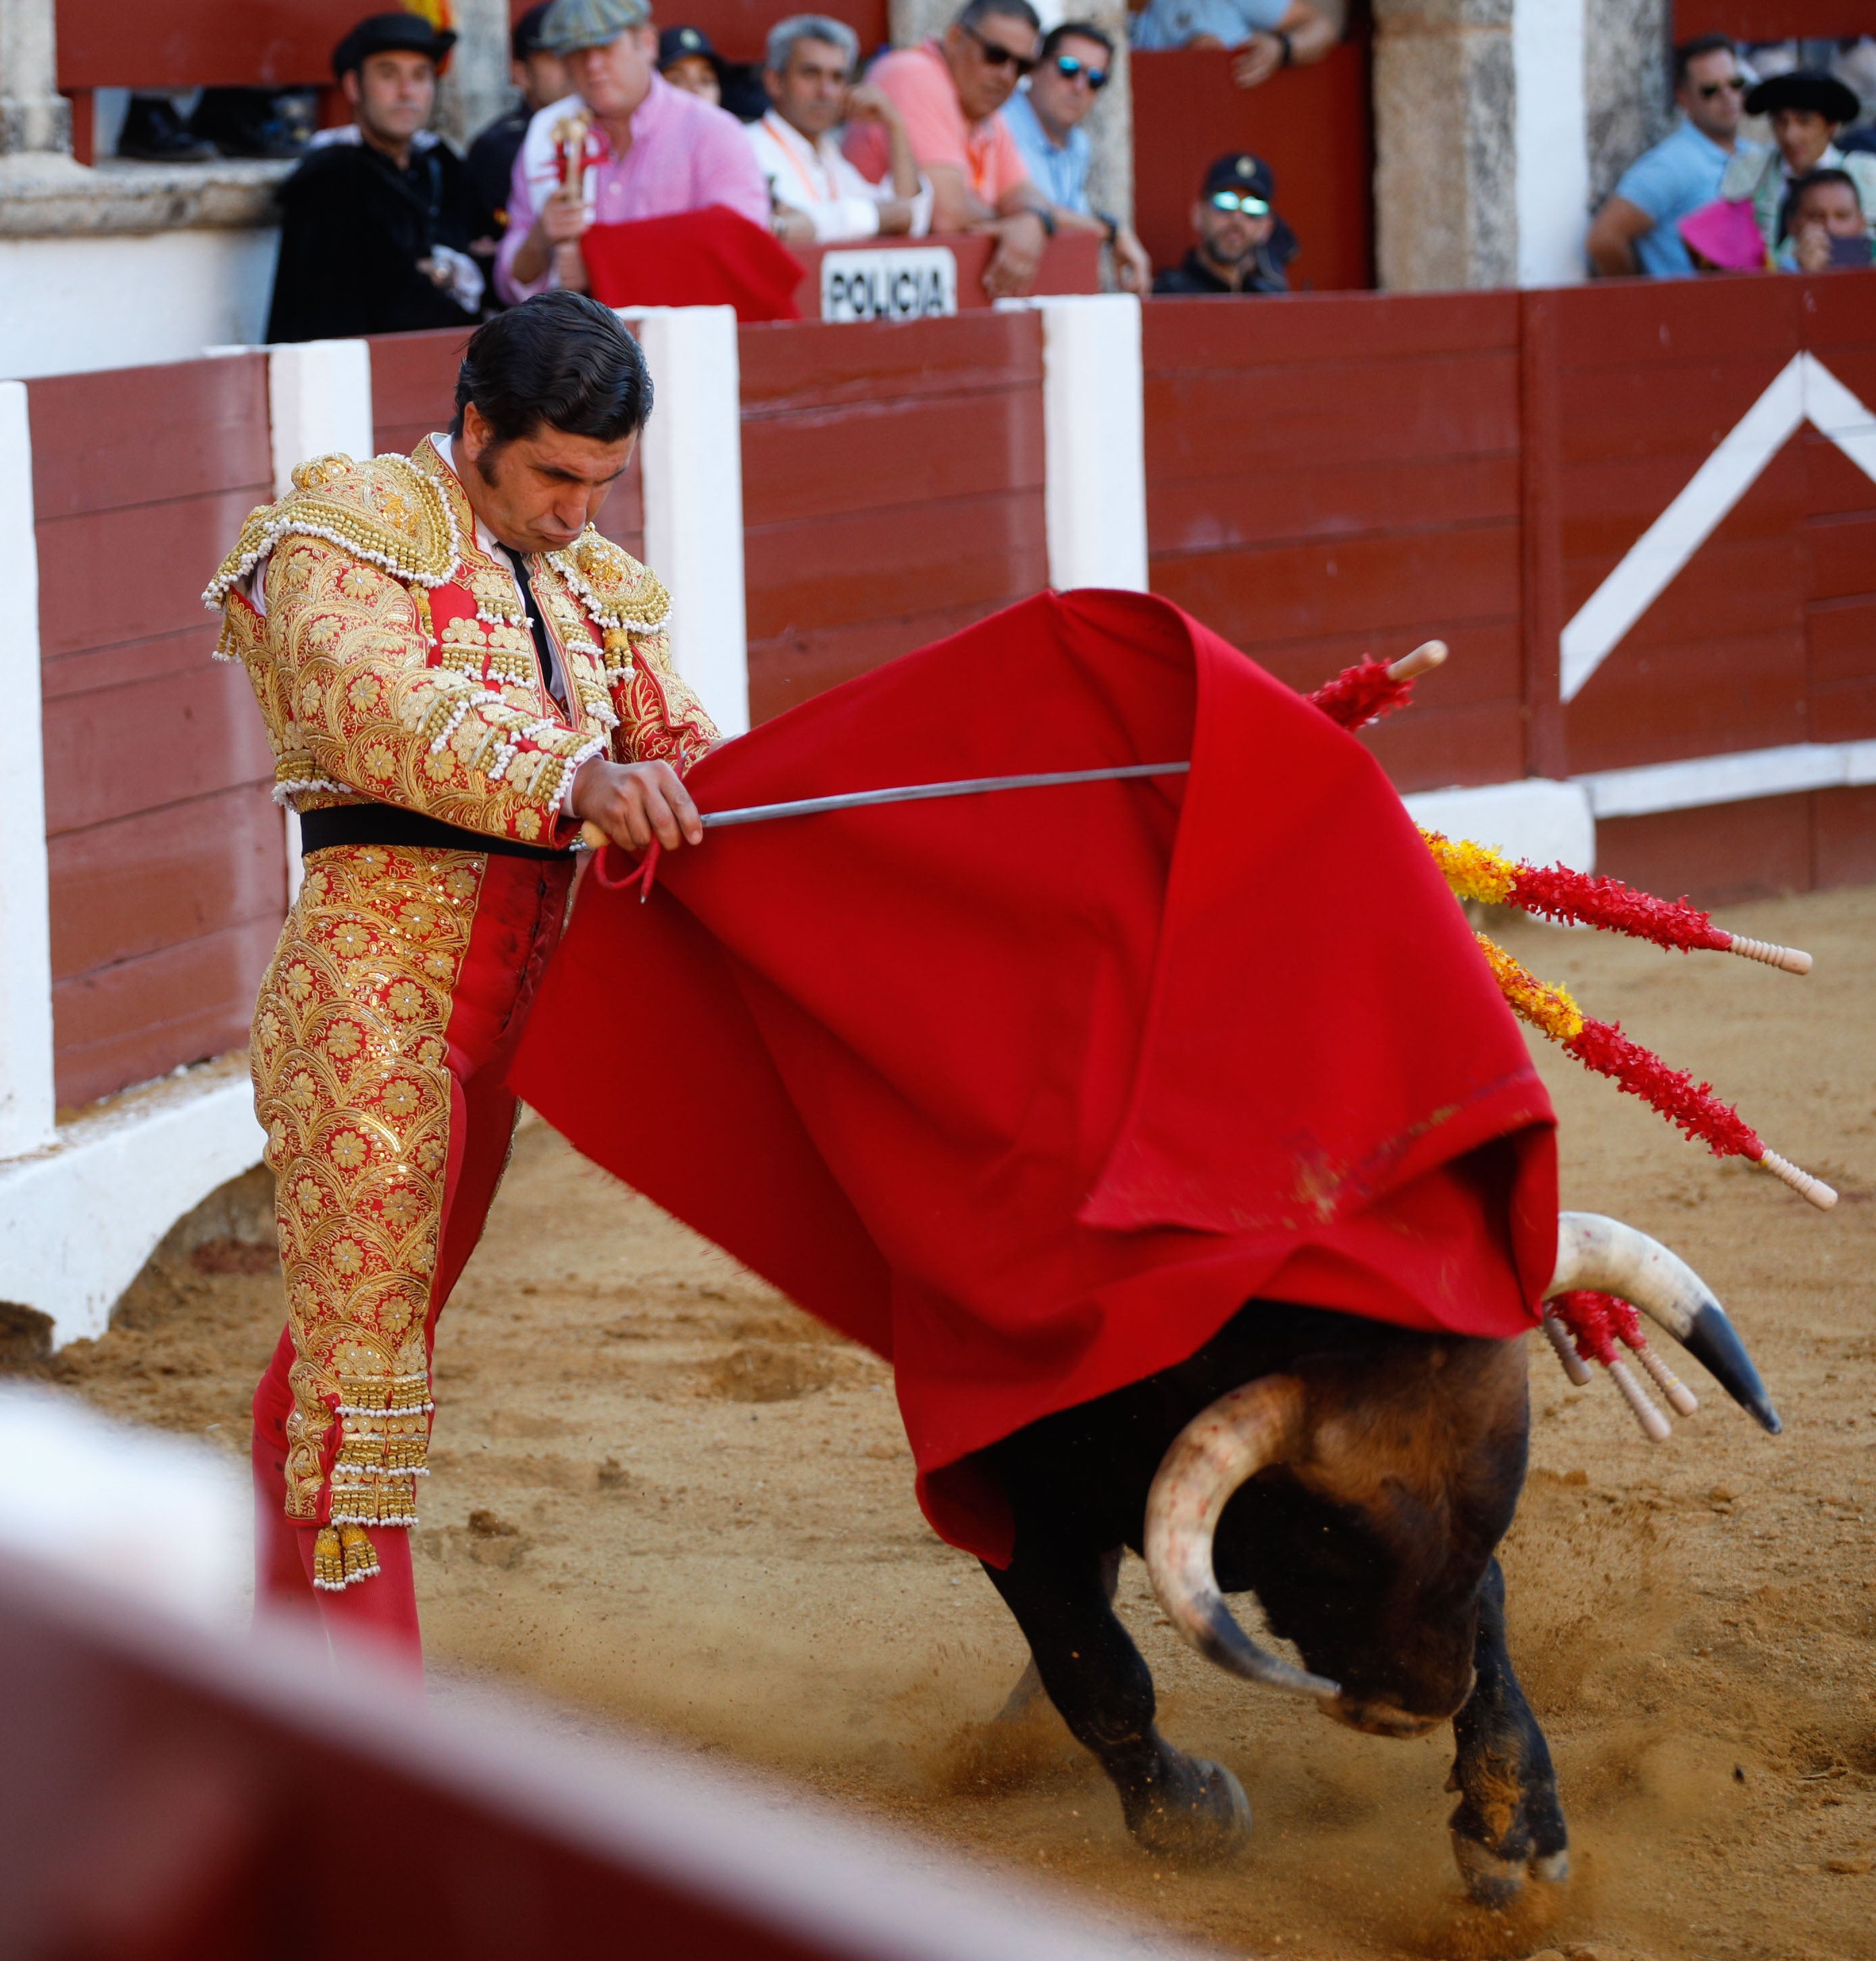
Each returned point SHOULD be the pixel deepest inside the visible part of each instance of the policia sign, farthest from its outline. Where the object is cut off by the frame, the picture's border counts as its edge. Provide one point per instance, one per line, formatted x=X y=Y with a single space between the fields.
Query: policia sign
x=913 y=283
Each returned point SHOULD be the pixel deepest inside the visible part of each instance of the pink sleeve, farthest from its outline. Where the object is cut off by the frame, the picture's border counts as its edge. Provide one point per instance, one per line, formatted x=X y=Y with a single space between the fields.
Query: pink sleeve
x=727 y=172
x=521 y=221
x=921 y=91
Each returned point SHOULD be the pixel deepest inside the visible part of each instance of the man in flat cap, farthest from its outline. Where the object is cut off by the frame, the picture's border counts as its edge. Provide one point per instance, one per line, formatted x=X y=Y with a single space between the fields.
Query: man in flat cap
x=1243 y=245
x=378 y=221
x=651 y=151
x=1808 y=108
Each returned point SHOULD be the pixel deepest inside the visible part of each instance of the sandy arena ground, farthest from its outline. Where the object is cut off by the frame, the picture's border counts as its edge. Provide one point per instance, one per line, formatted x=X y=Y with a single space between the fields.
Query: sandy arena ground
x=664 y=1496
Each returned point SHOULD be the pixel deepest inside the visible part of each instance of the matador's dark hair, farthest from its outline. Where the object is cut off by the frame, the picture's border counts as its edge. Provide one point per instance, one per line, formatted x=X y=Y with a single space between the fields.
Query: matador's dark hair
x=561 y=358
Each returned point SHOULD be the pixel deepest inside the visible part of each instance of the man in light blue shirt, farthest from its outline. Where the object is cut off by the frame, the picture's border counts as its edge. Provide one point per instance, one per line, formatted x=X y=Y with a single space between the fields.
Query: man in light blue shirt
x=1264 y=35
x=1044 y=119
x=1638 y=229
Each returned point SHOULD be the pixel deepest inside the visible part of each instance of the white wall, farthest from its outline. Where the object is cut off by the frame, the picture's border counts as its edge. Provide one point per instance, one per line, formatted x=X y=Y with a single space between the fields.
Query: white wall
x=70 y=305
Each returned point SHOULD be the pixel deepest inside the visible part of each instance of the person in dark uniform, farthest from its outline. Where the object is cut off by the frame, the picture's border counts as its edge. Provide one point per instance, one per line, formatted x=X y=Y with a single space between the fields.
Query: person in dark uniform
x=1243 y=245
x=377 y=221
x=541 y=77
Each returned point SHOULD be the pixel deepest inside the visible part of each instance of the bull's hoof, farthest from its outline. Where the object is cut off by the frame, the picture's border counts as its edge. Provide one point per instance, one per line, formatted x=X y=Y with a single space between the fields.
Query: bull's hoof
x=1500 y=1883
x=1197 y=1813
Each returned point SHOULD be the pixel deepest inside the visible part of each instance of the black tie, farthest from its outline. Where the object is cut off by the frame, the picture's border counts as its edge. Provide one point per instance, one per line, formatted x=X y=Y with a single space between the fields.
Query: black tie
x=538 y=626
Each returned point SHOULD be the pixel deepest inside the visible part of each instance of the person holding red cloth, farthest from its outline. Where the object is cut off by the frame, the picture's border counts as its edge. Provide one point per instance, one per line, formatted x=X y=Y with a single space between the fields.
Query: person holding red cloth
x=456 y=670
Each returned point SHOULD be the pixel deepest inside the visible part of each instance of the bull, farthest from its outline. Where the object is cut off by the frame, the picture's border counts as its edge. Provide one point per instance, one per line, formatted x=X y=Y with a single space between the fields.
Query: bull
x=1357 y=1479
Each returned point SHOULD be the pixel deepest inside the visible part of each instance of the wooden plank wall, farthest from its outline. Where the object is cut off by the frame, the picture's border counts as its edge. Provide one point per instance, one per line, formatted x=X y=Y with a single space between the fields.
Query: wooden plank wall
x=1313 y=125
x=1768 y=635
x=1328 y=477
x=168 y=879
x=892 y=490
x=413 y=395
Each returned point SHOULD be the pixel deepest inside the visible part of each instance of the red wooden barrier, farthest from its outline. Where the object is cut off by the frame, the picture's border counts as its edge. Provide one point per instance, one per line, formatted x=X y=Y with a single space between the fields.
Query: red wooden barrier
x=413 y=395
x=740 y=28
x=1313 y=125
x=1326 y=477
x=168 y=861
x=177 y=1794
x=1771 y=20
x=892 y=490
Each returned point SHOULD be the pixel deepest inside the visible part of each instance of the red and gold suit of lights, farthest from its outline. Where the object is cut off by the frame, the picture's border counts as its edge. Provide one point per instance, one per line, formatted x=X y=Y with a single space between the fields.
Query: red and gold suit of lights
x=394 y=665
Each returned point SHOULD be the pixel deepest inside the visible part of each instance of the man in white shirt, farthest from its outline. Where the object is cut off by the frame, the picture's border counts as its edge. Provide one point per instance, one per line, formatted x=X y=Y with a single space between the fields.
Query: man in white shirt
x=820 y=198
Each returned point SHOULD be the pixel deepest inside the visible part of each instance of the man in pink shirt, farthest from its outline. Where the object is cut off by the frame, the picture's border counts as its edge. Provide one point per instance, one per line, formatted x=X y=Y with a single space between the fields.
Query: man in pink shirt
x=948 y=93
x=652 y=151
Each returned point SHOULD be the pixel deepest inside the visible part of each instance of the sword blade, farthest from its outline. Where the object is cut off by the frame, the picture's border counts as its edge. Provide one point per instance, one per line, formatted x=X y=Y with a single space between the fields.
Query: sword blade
x=766 y=813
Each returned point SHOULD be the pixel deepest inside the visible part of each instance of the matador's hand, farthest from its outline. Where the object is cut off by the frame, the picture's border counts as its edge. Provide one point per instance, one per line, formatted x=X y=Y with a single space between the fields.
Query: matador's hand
x=634 y=802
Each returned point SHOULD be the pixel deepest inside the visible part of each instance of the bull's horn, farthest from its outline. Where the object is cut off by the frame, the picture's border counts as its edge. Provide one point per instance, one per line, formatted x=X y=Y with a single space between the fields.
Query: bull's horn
x=1220 y=1448
x=1592 y=1252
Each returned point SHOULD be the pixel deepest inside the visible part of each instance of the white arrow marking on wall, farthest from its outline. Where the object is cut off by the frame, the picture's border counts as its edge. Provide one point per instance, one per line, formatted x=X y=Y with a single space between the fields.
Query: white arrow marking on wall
x=1805 y=390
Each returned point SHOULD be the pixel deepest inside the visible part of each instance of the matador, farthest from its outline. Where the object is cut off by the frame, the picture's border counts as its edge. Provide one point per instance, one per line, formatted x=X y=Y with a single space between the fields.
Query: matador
x=456 y=670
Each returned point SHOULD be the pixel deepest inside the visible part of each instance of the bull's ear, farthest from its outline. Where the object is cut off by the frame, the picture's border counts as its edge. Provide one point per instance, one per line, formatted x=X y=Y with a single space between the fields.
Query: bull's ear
x=1219 y=1450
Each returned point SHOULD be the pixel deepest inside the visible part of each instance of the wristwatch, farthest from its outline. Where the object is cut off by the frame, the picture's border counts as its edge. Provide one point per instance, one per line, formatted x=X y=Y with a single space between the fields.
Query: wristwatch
x=1283 y=40
x=1111 y=224
x=1047 y=218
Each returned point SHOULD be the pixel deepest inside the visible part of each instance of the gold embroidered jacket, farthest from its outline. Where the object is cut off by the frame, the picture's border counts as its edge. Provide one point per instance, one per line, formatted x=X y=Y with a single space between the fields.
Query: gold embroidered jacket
x=394 y=664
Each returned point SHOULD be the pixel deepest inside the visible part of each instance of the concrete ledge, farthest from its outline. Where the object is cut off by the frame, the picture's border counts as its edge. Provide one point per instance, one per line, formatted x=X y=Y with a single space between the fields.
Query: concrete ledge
x=52 y=197
x=1536 y=819
x=79 y=1219
x=1703 y=780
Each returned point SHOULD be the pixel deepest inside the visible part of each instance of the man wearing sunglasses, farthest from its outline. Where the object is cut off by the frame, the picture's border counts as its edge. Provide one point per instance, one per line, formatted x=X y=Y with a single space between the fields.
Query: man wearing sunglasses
x=1638 y=229
x=1045 y=116
x=948 y=93
x=1243 y=245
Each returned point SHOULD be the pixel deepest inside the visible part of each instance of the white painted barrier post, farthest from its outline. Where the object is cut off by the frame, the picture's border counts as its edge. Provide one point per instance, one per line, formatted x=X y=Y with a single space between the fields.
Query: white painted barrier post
x=27 y=1099
x=319 y=400
x=692 y=470
x=1094 y=440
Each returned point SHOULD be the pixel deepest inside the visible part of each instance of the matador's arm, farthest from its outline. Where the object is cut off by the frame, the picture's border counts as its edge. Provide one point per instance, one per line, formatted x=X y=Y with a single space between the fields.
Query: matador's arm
x=350 y=649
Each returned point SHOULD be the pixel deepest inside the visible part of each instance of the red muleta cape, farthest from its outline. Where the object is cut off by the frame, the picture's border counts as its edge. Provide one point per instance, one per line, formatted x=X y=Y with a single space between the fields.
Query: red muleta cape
x=1030 y=1093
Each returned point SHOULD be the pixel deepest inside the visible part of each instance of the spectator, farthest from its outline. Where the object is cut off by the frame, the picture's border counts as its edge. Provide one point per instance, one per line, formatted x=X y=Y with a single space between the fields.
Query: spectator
x=376 y=224
x=1637 y=228
x=1824 y=224
x=948 y=93
x=655 y=152
x=1806 y=107
x=540 y=75
x=1267 y=34
x=1046 y=118
x=687 y=60
x=819 y=197
x=1243 y=245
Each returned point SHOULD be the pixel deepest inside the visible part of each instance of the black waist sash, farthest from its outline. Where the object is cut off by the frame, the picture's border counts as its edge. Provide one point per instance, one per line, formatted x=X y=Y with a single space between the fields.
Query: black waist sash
x=391 y=823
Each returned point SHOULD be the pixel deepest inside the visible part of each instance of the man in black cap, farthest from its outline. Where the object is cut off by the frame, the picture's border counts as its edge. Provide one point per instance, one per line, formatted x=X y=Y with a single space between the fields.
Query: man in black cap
x=1807 y=107
x=541 y=76
x=1243 y=245
x=688 y=61
x=377 y=223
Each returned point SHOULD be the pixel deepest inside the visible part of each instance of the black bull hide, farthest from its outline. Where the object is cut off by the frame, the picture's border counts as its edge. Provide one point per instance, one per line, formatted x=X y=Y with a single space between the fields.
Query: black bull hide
x=1384 y=1574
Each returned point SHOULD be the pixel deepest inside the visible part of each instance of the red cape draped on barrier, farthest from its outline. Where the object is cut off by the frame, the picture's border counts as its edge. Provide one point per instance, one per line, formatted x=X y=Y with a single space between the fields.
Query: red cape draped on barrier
x=1030 y=1093
x=711 y=257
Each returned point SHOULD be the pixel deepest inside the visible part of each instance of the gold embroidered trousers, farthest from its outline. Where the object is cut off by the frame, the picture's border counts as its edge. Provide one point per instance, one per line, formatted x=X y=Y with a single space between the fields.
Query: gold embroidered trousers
x=381 y=1037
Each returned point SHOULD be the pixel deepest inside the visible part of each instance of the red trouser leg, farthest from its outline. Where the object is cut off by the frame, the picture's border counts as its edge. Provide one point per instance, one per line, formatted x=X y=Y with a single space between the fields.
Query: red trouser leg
x=519 y=910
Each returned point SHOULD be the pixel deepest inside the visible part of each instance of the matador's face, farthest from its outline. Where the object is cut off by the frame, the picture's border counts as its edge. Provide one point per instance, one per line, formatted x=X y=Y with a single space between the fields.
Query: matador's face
x=539 y=491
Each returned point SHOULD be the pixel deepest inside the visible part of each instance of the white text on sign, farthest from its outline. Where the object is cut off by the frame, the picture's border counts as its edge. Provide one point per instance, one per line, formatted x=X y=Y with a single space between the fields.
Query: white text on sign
x=914 y=282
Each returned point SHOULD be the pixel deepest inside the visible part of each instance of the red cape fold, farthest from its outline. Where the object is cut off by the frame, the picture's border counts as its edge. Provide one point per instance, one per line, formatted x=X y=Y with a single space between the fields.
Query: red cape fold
x=1030 y=1093
x=714 y=256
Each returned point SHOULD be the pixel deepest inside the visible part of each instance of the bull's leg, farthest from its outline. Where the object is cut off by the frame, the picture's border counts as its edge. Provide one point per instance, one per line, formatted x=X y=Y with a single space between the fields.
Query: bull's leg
x=1507 y=1825
x=1021 y=1699
x=1178 y=1806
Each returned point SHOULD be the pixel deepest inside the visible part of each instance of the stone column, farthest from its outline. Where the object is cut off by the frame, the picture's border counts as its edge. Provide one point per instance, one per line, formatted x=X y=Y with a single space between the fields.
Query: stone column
x=1482 y=138
x=35 y=119
x=1626 y=75
x=476 y=89
x=1445 y=114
